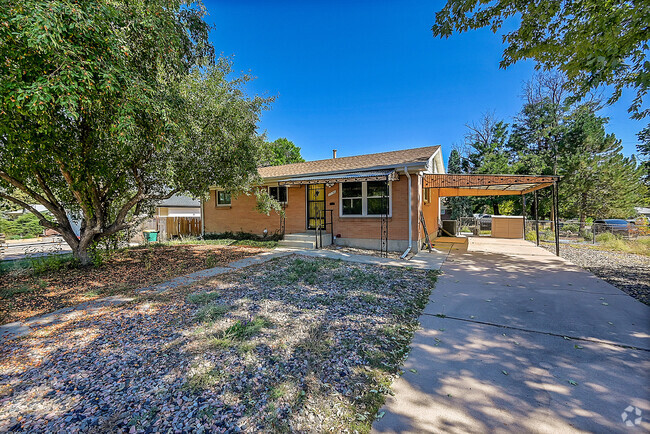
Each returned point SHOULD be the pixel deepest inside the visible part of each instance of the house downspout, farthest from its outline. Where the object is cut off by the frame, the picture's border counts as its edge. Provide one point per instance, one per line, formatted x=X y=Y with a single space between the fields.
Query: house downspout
x=408 y=175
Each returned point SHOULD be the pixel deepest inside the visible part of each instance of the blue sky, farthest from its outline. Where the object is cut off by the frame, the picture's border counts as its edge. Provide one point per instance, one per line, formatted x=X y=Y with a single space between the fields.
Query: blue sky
x=367 y=76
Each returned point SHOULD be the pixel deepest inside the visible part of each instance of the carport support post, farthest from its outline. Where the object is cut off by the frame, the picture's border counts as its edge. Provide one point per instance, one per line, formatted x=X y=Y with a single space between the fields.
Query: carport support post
x=556 y=219
x=536 y=220
x=523 y=211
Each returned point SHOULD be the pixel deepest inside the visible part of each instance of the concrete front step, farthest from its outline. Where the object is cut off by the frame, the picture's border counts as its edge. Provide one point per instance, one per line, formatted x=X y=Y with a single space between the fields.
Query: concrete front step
x=304 y=240
x=298 y=244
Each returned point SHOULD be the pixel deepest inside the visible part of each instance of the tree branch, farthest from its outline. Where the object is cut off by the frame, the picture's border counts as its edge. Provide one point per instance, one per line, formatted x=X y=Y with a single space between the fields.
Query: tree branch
x=42 y=219
x=19 y=185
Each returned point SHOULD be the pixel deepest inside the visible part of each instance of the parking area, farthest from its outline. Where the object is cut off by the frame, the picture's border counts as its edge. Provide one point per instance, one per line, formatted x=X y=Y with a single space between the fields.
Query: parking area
x=517 y=339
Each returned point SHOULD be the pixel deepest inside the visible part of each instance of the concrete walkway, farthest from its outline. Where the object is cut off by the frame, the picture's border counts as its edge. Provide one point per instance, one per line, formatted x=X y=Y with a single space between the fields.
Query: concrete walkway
x=515 y=339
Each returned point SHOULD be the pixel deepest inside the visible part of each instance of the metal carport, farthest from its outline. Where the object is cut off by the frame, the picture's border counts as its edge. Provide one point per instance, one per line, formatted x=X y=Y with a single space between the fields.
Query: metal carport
x=453 y=185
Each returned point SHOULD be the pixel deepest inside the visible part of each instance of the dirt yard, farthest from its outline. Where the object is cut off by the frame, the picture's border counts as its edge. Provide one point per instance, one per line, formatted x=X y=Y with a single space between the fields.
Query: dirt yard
x=293 y=345
x=25 y=293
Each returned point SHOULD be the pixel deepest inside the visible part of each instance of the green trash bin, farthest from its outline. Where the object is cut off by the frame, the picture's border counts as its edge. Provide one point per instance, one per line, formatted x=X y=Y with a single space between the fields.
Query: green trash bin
x=150 y=236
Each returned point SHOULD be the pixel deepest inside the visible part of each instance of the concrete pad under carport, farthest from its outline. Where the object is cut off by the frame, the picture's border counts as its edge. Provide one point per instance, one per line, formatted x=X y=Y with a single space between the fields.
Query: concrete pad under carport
x=488 y=325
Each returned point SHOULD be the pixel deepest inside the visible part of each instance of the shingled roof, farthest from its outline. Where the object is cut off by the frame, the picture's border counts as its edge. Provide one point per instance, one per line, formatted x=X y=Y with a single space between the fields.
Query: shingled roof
x=396 y=159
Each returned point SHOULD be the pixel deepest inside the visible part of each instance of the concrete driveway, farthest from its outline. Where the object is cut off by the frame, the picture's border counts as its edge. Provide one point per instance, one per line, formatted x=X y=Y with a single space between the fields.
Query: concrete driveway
x=515 y=339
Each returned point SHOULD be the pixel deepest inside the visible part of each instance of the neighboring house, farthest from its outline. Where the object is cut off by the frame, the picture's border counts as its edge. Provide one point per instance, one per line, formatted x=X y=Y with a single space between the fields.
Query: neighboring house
x=17 y=213
x=176 y=216
x=344 y=194
x=645 y=212
x=179 y=206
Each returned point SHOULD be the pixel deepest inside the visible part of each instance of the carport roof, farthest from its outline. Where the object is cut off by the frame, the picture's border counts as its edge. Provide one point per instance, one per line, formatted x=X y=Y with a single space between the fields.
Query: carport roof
x=473 y=184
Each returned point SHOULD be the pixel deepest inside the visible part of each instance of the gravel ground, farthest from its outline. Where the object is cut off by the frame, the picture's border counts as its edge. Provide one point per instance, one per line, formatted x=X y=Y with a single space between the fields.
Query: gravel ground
x=630 y=273
x=368 y=252
x=24 y=294
x=296 y=344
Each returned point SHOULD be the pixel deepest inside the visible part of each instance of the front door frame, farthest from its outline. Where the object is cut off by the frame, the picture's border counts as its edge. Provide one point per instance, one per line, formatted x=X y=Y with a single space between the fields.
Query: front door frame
x=308 y=202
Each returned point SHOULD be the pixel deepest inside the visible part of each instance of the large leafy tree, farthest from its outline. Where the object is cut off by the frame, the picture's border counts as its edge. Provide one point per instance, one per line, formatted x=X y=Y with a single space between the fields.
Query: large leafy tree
x=486 y=142
x=593 y=42
x=109 y=106
x=279 y=152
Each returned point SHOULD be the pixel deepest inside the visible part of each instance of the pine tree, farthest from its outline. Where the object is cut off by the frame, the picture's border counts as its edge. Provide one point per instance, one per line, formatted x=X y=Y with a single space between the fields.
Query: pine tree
x=598 y=180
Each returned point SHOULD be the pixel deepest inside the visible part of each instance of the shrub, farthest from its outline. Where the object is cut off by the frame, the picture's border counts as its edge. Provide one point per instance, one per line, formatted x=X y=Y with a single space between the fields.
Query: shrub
x=570 y=227
x=202 y=297
x=211 y=312
x=606 y=237
x=240 y=236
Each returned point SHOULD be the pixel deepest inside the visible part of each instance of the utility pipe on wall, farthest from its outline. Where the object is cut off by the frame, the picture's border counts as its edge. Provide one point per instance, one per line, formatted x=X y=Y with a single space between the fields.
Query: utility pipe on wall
x=408 y=175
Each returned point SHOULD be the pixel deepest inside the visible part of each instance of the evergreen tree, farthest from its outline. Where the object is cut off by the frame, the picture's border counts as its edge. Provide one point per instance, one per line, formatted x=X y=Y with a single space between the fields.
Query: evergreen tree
x=644 y=152
x=597 y=179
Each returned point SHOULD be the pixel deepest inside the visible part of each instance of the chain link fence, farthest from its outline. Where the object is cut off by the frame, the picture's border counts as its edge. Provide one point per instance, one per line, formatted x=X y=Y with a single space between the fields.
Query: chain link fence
x=569 y=230
x=597 y=231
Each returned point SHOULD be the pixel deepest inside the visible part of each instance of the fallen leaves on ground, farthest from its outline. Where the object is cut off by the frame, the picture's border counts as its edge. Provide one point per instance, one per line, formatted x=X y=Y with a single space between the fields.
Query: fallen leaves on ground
x=295 y=344
x=24 y=295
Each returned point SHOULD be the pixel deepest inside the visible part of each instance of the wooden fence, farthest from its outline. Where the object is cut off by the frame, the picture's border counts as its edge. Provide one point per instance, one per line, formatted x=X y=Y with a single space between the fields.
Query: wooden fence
x=181 y=226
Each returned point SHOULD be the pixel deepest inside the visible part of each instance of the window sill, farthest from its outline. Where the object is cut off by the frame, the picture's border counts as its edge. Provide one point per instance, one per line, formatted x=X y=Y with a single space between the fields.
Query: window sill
x=349 y=216
x=224 y=206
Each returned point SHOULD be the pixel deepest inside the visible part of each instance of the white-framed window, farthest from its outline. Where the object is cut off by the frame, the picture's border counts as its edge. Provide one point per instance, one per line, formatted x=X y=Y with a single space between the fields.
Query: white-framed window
x=223 y=198
x=279 y=193
x=364 y=199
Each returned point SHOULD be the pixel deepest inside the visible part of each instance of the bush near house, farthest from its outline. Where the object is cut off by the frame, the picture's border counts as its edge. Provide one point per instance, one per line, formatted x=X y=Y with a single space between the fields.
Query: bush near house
x=240 y=236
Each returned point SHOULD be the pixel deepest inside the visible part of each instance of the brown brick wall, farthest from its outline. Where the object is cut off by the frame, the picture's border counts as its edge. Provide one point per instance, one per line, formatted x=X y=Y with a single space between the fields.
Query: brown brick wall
x=242 y=215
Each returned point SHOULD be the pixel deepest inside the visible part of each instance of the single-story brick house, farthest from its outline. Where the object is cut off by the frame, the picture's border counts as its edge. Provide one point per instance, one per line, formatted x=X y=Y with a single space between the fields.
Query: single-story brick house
x=361 y=200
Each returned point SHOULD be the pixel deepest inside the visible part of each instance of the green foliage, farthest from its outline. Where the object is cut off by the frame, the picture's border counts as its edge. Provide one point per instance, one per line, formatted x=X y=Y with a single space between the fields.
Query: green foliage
x=281 y=151
x=488 y=153
x=304 y=270
x=40 y=264
x=606 y=237
x=242 y=236
x=460 y=206
x=570 y=227
x=597 y=179
x=241 y=331
x=203 y=297
x=552 y=137
x=211 y=312
x=644 y=155
x=206 y=380
x=25 y=226
x=109 y=107
x=594 y=43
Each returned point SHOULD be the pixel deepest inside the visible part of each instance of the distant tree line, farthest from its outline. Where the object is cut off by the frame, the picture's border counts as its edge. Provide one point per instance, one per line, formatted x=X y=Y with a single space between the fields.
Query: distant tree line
x=553 y=135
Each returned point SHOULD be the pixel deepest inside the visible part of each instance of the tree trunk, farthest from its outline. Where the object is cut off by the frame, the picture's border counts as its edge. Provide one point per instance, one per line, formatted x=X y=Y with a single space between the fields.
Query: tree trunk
x=583 y=215
x=495 y=208
x=83 y=255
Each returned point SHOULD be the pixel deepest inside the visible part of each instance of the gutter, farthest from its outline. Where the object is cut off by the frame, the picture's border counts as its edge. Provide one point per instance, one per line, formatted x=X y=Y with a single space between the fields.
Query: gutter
x=408 y=175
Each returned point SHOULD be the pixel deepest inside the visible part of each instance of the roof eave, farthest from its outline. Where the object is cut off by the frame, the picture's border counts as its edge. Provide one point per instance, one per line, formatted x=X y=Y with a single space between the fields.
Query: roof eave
x=398 y=167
